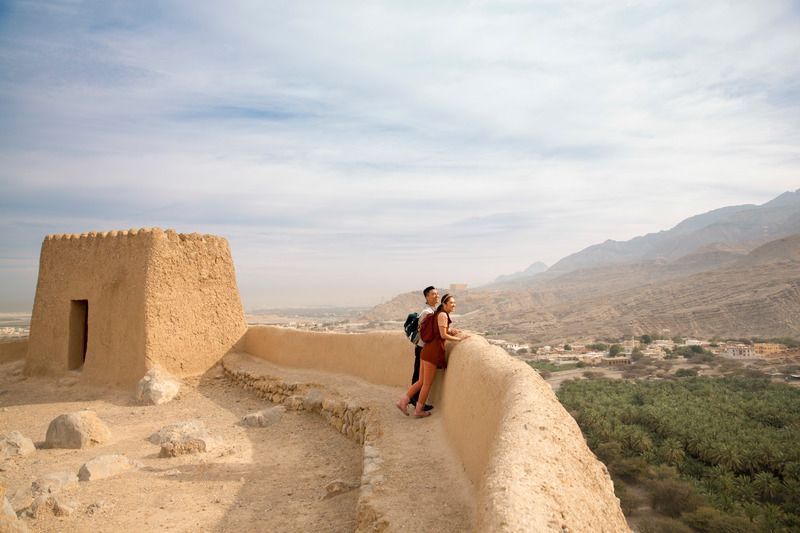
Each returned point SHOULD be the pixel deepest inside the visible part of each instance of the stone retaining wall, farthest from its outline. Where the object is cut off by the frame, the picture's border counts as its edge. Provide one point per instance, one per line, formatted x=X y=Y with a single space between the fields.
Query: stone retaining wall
x=347 y=416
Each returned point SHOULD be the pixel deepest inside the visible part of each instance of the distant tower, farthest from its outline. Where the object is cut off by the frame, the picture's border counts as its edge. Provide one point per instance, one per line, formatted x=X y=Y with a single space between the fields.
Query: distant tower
x=114 y=304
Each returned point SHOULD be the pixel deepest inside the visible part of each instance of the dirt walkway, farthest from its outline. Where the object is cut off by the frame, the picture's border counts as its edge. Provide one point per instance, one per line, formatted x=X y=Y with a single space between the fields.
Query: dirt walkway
x=260 y=479
x=412 y=479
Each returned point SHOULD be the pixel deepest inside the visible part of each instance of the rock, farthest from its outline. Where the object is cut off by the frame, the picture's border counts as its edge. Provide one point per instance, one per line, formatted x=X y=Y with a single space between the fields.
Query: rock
x=294 y=402
x=76 y=430
x=338 y=486
x=48 y=503
x=52 y=483
x=157 y=387
x=183 y=438
x=12 y=525
x=15 y=444
x=182 y=447
x=312 y=401
x=7 y=509
x=62 y=509
x=178 y=430
x=96 y=507
x=106 y=466
x=21 y=499
x=41 y=505
x=264 y=418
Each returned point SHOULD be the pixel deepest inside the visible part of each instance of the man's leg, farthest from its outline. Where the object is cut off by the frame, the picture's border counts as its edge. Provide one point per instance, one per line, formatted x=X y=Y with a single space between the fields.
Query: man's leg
x=415 y=375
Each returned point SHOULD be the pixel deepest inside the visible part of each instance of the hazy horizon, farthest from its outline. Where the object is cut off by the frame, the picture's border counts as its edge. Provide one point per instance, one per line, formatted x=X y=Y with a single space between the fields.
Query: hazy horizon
x=351 y=152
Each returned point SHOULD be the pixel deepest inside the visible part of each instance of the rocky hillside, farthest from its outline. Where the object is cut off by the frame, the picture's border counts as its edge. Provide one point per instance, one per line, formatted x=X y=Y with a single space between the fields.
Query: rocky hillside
x=731 y=281
x=744 y=225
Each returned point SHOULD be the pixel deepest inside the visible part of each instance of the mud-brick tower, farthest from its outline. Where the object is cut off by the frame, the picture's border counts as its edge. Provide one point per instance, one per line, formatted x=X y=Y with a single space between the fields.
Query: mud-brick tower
x=111 y=305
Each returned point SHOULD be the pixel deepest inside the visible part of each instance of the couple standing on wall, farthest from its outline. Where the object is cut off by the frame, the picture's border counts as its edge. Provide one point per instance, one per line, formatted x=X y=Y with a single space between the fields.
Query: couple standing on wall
x=430 y=355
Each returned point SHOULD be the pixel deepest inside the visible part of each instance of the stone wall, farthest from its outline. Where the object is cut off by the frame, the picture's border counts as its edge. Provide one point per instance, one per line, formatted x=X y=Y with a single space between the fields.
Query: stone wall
x=154 y=297
x=523 y=452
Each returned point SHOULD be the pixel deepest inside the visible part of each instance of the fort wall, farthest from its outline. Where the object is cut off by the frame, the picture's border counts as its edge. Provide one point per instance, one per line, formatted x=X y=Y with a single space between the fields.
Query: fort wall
x=383 y=358
x=136 y=298
x=108 y=271
x=193 y=314
x=523 y=452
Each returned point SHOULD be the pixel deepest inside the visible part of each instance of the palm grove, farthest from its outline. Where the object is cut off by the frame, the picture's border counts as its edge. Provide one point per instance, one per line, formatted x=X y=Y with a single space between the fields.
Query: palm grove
x=708 y=454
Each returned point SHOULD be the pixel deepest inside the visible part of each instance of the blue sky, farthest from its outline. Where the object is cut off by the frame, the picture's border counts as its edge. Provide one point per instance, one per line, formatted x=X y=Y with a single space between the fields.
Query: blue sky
x=353 y=150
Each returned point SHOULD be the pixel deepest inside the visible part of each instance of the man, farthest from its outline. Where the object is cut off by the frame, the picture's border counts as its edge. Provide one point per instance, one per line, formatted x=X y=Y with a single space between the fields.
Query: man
x=431 y=300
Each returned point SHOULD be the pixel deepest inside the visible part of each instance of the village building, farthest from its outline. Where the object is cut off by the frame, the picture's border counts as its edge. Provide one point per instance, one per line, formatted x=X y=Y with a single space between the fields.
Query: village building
x=740 y=350
x=768 y=348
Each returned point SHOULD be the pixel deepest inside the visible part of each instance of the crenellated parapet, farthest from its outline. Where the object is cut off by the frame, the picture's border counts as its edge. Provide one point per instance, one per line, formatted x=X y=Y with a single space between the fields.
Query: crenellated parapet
x=105 y=236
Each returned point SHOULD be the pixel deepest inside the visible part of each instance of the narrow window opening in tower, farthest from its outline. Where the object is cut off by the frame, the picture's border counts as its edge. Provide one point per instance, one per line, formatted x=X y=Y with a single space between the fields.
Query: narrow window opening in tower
x=78 y=333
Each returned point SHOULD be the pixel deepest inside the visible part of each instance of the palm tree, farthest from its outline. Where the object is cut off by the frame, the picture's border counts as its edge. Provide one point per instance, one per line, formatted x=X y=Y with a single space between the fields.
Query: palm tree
x=672 y=451
x=767 y=485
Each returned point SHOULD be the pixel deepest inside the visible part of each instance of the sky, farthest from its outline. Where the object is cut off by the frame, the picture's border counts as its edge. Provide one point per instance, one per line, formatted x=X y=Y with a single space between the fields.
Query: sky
x=350 y=151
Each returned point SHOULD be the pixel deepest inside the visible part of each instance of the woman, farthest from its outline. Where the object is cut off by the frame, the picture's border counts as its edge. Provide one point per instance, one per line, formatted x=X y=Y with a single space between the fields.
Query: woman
x=432 y=357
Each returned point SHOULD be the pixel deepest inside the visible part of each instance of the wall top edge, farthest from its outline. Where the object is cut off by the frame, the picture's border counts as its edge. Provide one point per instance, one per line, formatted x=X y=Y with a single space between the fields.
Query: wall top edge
x=169 y=234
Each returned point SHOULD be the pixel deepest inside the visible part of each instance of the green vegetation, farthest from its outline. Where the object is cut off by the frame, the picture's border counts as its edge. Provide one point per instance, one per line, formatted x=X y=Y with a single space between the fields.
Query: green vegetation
x=695 y=354
x=597 y=347
x=546 y=366
x=710 y=454
x=614 y=350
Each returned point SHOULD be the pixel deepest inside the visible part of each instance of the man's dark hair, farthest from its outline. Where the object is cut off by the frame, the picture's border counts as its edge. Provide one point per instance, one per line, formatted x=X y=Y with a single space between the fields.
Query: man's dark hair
x=427 y=290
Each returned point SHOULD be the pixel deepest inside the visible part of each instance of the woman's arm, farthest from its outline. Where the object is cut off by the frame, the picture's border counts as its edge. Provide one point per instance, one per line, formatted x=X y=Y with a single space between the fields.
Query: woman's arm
x=442 y=323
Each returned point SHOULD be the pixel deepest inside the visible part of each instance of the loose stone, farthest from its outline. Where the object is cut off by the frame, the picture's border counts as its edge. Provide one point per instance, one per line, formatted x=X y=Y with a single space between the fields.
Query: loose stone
x=15 y=444
x=76 y=430
x=106 y=466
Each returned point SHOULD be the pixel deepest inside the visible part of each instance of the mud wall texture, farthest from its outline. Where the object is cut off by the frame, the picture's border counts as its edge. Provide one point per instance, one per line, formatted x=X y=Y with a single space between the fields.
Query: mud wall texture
x=138 y=298
x=193 y=313
x=383 y=358
x=523 y=452
x=108 y=272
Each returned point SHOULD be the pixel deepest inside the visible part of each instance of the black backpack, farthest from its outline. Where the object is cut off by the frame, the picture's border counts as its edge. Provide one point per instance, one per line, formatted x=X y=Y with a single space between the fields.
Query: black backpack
x=411 y=327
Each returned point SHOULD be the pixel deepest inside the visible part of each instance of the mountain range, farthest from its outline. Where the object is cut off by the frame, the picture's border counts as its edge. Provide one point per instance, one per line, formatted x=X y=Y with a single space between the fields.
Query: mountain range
x=732 y=272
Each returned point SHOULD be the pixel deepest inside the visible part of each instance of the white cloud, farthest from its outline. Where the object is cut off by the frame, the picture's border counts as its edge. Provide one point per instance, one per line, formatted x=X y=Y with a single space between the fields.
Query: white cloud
x=314 y=134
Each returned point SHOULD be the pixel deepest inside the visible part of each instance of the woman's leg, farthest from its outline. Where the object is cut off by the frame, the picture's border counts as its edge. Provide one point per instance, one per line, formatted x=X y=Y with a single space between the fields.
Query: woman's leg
x=428 y=375
x=402 y=403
